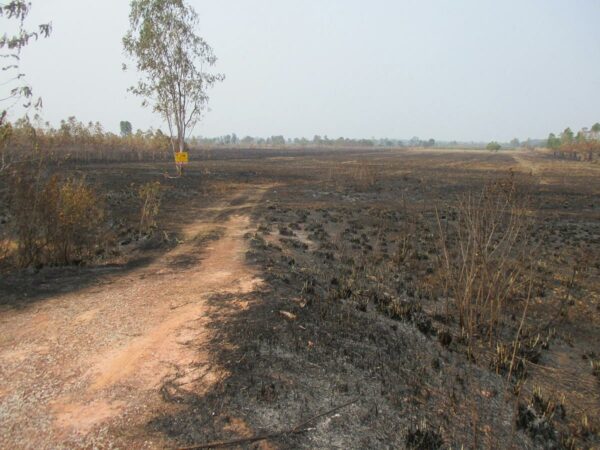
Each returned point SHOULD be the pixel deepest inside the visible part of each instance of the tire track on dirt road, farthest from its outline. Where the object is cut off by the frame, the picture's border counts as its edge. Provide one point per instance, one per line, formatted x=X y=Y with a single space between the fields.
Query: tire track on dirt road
x=78 y=366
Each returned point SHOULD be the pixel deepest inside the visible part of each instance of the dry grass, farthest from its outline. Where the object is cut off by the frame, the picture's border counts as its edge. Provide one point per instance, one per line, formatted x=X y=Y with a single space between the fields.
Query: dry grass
x=486 y=263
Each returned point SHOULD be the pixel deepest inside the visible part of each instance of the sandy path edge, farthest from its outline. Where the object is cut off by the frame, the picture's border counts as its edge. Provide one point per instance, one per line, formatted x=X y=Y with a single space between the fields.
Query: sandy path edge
x=77 y=365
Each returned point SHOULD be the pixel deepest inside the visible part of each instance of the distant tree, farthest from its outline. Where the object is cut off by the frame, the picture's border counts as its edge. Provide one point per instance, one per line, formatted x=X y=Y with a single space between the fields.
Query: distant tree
x=515 y=143
x=278 y=140
x=126 y=128
x=366 y=142
x=430 y=143
x=172 y=58
x=596 y=129
x=234 y=139
x=567 y=136
x=553 y=143
x=493 y=146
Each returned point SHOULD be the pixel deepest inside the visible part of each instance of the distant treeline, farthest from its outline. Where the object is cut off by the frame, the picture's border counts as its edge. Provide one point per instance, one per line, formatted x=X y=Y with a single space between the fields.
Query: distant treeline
x=585 y=145
x=232 y=140
x=74 y=140
x=77 y=141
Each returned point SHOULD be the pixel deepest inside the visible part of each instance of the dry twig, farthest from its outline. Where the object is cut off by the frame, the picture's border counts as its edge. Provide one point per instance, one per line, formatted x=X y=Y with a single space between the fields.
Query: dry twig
x=300 y=428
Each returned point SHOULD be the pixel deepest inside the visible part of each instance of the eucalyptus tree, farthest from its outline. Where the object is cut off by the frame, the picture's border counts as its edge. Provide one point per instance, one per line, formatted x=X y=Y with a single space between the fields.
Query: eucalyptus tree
x=172 y=60
x=12 y=81
x=13 y=15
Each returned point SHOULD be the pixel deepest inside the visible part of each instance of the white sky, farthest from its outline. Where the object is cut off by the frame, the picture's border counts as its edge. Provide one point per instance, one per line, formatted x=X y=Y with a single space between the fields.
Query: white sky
x=447 y=69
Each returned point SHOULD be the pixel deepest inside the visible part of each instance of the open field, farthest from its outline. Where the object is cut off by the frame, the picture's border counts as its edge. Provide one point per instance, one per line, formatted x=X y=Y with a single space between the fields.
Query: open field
x=283 y=284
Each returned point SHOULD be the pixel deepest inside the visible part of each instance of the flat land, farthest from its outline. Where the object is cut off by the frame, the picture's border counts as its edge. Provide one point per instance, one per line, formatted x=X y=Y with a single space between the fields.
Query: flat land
x=258 y=308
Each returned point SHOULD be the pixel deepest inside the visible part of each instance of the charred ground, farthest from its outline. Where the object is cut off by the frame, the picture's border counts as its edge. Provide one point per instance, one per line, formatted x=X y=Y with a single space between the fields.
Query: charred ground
x=352 y=305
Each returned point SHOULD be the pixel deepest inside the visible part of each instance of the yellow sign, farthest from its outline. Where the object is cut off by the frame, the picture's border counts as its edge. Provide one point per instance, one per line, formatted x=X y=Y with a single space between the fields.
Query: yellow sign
x=182 y=157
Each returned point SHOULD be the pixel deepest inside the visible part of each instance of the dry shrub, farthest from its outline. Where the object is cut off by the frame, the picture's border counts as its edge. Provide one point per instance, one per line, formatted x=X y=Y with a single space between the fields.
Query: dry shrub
x=364 y=175
x=150 y=195
x=5 y=245
x=54 y=220
x=485 y=256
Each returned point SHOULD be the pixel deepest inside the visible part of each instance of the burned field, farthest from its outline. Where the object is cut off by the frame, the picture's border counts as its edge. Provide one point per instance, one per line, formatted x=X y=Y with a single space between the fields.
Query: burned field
x=357 y=305
x=440 y=298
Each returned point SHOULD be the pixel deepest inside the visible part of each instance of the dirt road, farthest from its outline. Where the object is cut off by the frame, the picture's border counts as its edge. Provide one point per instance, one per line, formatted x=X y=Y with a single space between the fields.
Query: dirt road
x=77 y=366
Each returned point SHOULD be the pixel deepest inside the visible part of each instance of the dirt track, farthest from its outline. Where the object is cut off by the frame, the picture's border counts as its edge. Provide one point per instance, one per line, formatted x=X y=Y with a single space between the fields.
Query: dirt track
x=74 y=364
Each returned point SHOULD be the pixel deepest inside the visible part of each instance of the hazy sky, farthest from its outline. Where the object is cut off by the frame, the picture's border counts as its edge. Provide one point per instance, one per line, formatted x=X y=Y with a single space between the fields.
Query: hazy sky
x=453 y=69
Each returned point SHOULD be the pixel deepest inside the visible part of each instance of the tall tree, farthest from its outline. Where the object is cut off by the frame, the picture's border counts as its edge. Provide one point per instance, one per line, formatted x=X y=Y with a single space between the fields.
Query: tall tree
x=172 y=60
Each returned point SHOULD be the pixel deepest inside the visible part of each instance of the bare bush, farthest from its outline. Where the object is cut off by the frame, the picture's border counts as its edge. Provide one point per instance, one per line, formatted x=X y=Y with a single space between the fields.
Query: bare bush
x=364 y=175
x=150 y=195
x=484 y=257
x=54 y=220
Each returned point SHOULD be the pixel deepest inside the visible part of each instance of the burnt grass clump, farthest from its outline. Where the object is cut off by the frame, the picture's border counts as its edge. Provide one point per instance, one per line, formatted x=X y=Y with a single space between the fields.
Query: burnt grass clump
x=423 y=439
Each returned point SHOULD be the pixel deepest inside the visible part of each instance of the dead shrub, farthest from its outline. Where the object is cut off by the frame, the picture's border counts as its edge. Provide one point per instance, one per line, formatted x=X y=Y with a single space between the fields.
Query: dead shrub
x=150 y=195
x=485 y=257
x=80 y=217
x=364 y=175
x=54 y=220
x=5 y=245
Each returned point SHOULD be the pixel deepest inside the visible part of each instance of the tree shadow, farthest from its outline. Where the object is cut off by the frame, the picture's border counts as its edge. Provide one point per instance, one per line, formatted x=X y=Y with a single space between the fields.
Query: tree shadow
x=23 y=288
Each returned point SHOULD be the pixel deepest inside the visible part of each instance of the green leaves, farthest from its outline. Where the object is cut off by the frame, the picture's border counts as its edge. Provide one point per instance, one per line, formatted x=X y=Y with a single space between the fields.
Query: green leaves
x=171 y=57
x=11 y=46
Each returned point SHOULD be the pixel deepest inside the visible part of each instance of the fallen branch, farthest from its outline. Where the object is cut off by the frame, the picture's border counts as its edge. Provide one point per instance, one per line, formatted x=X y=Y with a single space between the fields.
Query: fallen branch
x=298 y=429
